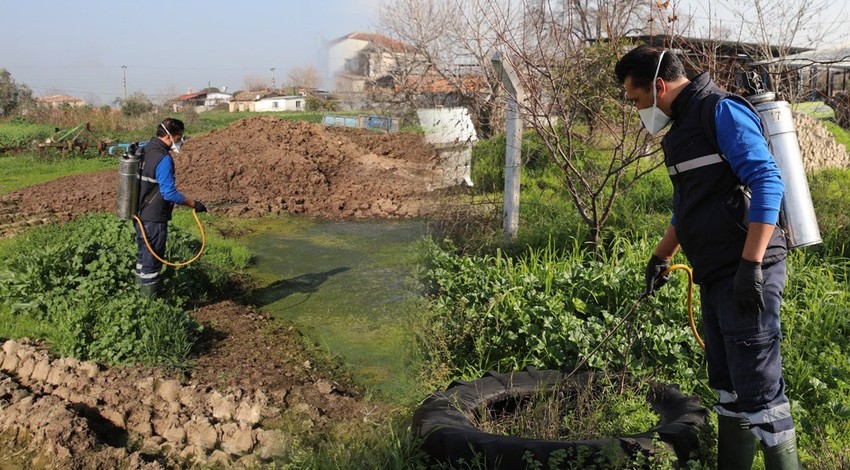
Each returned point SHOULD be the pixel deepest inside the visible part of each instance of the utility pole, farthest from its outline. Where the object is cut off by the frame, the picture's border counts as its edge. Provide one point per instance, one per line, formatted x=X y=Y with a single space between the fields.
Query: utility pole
x=272 y=69
x=513 y=157
x=124 y=69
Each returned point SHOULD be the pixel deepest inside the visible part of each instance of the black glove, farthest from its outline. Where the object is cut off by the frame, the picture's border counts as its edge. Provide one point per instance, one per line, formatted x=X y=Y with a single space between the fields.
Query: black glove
x=200 y=207
x=748 y=288
x=654 y=279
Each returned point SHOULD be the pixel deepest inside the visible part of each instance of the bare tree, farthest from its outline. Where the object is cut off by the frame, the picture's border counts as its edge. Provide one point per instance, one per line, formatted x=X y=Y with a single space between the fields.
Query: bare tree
x=592 y=20
x=306 y=78
x=450 y=43
x=575 y=106
x=255 y=83
x=774 y=28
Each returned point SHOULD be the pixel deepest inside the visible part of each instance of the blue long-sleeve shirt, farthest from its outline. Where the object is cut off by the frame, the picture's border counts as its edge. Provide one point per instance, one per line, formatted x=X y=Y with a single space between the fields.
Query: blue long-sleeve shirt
x=740 y=139
x=165 y=177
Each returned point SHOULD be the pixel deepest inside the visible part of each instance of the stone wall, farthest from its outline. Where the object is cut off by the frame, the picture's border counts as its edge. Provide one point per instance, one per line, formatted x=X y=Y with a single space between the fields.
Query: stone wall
x=819 y=149
x=74 y=412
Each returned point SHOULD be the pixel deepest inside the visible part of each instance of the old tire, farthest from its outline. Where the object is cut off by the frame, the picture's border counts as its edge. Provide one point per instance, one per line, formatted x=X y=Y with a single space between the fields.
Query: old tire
x=449 y=436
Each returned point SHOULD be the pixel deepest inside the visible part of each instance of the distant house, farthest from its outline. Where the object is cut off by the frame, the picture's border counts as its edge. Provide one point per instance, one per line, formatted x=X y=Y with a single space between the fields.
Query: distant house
x=265 y=100
x=202 y=101
x=245 y=100
x=281 y=103
x=58 y=101
x=359 y=59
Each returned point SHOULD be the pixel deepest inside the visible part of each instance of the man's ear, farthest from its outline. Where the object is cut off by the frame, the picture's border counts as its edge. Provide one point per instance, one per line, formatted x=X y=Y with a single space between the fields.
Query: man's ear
x=660 y=87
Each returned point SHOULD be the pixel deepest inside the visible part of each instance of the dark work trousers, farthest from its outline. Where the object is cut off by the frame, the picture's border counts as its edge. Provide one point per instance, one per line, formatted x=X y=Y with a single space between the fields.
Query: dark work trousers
x=744 y=362
x=147 y=267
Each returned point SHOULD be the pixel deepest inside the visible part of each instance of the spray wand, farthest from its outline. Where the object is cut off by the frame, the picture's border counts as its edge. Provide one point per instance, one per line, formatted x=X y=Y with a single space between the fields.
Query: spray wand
x=634 y=308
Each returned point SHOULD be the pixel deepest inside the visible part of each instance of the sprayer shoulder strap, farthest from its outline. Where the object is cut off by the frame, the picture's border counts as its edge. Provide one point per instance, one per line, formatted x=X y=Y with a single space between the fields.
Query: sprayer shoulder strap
x=709 y=120
x=151 y=195
x=709 y=124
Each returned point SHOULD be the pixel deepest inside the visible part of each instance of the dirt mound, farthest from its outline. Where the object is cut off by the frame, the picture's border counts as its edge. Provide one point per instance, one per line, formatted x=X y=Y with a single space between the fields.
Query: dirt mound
x=263 y=165
x=230 y=409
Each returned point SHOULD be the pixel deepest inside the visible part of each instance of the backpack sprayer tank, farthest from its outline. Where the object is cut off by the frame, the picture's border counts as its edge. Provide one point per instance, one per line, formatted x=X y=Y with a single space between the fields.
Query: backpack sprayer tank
x=799 y=221
x=128 y=183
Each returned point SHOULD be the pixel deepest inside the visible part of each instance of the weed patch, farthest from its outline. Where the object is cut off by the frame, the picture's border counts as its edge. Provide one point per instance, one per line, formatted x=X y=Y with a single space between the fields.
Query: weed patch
x=74 y=285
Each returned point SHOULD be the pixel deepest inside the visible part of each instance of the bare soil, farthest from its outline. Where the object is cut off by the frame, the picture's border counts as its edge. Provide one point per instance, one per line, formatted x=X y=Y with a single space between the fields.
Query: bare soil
x=261 y=166
x=251 y=374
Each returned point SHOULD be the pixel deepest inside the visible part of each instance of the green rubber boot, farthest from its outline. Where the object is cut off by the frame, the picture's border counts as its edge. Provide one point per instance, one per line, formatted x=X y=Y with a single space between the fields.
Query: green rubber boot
x=736 y=444
x=782 y=457
x=149 y=291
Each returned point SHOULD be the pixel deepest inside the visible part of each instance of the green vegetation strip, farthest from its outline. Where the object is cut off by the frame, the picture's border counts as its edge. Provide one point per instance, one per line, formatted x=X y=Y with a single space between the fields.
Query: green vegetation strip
x=20 y=133
x=74 y=286
x=28 y=169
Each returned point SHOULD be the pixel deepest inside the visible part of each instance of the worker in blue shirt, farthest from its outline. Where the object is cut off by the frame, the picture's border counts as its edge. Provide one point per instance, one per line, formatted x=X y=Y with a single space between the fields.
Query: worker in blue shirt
x=157 y=196
x=727 y=191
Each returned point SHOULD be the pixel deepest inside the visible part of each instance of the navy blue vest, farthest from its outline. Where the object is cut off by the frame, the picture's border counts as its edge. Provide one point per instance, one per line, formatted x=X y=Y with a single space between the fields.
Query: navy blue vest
x=152 y=207
x=710 y=202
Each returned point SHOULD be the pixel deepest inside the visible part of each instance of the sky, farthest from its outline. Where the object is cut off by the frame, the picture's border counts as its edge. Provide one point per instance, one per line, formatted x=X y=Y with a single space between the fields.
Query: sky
x=827 y=29
x=80 y=47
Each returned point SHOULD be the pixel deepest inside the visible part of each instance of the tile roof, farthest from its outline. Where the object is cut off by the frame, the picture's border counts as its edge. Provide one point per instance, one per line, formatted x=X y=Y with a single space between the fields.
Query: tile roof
x=383 y=42
x=59 y=99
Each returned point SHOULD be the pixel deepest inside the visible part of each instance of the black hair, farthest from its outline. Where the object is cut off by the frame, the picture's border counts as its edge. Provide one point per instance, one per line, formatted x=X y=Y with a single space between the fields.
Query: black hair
x=174 y=126
x=640 y=64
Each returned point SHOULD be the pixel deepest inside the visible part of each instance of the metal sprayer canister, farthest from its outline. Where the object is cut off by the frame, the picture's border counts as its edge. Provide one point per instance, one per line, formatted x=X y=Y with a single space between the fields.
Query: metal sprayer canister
x=128 y=185
x=800 y=224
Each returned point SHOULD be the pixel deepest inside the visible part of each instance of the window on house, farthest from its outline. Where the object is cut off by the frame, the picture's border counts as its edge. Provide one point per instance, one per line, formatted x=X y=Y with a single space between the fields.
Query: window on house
x=298 y=104
x=274 y=104
x=353 y=65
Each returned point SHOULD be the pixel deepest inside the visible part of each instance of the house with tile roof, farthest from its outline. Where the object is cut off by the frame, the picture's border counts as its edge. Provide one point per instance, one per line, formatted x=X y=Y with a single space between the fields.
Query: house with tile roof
x=58 y=101
x=358 y=59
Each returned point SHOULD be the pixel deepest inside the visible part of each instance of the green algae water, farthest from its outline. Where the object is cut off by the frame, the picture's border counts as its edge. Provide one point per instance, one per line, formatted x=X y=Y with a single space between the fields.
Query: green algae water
x=348 y=286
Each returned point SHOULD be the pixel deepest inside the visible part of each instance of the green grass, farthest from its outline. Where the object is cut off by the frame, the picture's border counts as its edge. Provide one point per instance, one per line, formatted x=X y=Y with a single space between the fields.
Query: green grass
x=842 y=136
x=817 y=109
x=19 y=134
x=27 y=169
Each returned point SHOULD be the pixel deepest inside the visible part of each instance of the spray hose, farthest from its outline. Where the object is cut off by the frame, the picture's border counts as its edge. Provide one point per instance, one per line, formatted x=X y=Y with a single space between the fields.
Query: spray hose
x=690 y=298
x=634 y=308
x=168 y=263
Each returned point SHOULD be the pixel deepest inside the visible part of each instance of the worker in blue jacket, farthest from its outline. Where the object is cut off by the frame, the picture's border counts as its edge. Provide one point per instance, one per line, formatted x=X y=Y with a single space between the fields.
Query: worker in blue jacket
x=727 y=192
x=157 y=196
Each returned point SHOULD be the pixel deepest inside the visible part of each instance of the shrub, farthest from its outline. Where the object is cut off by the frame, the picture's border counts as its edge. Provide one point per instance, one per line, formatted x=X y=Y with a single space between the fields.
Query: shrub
x=552 y=309
x=136 y=105
x=488 y=160
x=79 y=279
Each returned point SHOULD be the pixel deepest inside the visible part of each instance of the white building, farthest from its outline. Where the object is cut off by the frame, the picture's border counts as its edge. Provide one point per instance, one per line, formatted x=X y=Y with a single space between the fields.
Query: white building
x=58 y=101
x=202 y=101
x=360 y=58
x=264 y=101
x=281 y=103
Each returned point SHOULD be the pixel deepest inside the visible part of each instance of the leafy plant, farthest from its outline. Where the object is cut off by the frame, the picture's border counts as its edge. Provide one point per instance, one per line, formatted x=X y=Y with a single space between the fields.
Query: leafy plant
x=79 y=279
x=551 y=309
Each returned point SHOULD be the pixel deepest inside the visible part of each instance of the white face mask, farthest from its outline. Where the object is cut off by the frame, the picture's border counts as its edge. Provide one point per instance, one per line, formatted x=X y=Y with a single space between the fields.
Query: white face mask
x=175 y=144
x=654 y=119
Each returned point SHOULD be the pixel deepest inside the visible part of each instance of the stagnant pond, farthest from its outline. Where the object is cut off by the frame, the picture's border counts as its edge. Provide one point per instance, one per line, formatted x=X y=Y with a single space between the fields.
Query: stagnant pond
x=349 y=287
